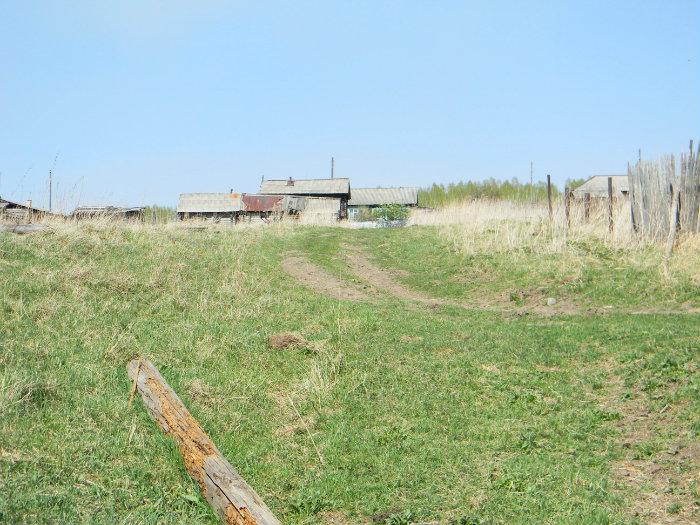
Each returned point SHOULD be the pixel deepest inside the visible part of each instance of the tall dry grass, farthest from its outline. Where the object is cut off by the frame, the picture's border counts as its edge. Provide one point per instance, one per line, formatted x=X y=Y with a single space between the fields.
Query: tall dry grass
x=499 y=226
x=520 y=229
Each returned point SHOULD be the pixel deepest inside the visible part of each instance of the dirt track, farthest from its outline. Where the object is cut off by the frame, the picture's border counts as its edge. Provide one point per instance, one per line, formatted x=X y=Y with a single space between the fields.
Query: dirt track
x=384 y=279
x=321 y=280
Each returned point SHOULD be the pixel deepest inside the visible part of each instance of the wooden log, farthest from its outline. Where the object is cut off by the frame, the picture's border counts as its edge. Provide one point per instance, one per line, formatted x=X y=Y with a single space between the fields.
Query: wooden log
x=230 y=496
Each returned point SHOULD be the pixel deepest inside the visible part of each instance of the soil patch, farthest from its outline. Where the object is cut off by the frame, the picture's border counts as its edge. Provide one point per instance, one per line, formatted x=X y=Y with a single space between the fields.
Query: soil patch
x=287 y=340
x=662 y=483
x=320 y=280
x=384 y=279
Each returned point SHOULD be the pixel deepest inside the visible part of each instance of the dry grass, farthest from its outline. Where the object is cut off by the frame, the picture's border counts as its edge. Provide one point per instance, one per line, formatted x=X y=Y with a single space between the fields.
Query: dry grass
x=487 y=226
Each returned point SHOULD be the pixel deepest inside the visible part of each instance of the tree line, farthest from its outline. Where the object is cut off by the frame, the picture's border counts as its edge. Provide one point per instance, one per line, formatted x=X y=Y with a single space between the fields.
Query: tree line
x=439 y=195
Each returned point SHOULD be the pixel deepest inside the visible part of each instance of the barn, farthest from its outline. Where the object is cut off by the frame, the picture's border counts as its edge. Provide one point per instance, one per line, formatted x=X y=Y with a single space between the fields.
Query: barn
x=376 y=197
x=324 y=196
x=114 y=213
x=18 y=213
x=234 y=207
x=597 y=187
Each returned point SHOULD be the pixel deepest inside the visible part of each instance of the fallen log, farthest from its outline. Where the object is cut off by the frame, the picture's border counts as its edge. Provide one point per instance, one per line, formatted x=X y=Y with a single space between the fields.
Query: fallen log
x=225 y=490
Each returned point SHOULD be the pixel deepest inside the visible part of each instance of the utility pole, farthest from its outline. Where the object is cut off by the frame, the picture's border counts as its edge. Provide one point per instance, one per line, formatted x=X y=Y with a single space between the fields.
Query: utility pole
x=332 y=167
x=55 y=159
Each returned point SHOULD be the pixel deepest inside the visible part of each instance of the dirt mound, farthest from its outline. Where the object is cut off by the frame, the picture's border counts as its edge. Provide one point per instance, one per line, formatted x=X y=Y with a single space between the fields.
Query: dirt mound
x=320 y=280
x=287 y=340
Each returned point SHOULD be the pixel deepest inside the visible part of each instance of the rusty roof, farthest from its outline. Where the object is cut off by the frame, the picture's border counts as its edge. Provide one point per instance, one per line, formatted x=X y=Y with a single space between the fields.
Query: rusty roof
x=261 y=203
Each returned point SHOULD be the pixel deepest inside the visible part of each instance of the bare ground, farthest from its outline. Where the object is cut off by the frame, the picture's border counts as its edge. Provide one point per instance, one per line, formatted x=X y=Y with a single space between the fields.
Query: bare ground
x=532 y=301
x=384 y=279
x=662 y=484
x=322 y=281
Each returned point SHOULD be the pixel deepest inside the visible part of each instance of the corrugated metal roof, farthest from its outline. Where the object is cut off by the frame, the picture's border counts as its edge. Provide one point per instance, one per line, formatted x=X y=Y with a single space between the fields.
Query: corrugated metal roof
x=259 y=203
x=306 y=187
x=597 y=186
x=210 y=203
x=379 y=196
x=8 y=205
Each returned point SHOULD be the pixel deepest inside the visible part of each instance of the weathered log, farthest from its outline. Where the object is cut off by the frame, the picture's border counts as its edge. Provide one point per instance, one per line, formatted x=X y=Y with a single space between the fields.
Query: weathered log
x=225 y=490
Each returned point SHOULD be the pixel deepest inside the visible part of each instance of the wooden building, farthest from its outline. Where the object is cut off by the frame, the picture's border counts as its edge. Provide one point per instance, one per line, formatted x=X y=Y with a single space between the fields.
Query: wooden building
x=114 y=213
x=234 y=207
x=597 y=187
x=338 y=190
x=376 y=197
x=17 y=213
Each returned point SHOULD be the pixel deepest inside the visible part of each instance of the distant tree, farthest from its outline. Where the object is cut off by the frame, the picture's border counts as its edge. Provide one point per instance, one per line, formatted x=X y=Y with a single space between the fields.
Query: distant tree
x=574 y=183
x=440 y=195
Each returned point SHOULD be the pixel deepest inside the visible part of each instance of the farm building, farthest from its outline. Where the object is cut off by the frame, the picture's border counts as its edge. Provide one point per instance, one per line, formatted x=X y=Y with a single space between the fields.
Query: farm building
x=336 y=190
x=597 y=187
x=21 y=213
x=375 y=197
x=234 y=207
x=109 y=212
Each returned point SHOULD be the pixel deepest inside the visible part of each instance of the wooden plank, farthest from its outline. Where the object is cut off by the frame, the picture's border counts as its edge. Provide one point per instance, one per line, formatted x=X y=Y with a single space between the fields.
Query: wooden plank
x=673 y=224
x=227 y=492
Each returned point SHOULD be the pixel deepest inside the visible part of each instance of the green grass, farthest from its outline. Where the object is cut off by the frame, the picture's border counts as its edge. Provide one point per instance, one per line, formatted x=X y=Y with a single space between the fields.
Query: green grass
x=420 y=413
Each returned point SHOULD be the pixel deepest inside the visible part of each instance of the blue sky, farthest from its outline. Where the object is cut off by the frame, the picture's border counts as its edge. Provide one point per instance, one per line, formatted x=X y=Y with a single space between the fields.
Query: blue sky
x=143 y=100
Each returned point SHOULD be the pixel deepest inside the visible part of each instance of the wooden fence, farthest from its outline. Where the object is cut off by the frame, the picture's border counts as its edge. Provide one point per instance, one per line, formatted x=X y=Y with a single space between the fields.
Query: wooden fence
x=662 y=198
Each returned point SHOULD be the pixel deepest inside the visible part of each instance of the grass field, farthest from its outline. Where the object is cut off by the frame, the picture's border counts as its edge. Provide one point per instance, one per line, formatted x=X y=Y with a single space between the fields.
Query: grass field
x=484 y=406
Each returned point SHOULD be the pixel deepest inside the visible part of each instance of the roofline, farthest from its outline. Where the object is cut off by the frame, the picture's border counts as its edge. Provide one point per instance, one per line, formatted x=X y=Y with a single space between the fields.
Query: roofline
x=390 y=188
x=305 y=180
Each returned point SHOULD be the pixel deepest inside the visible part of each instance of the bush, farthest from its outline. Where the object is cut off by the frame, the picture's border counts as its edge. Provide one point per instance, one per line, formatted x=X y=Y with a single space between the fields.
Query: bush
x=390 y=212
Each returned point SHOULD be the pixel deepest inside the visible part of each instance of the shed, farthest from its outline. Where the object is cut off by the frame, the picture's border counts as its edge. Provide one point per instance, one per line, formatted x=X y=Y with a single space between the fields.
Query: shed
x=16 y=212
x=209 y=206
x=134 y=213
x=237 y=206
x=375 y=197
x=330 y=188
x=597 y=187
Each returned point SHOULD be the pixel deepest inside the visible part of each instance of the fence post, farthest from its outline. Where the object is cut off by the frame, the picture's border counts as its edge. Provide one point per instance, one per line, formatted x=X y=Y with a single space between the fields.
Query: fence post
x=567 y=198
x=673 y=225
x=610 y=205
x=587 y=206
x=549 y=196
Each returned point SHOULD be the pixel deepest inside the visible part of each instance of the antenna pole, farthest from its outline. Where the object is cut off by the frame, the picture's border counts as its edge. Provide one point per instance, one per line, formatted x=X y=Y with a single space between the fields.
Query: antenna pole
x=55 y=159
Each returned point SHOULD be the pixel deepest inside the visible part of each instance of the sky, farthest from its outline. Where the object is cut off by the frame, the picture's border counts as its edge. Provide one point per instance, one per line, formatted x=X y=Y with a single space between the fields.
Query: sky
x=133 y=102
